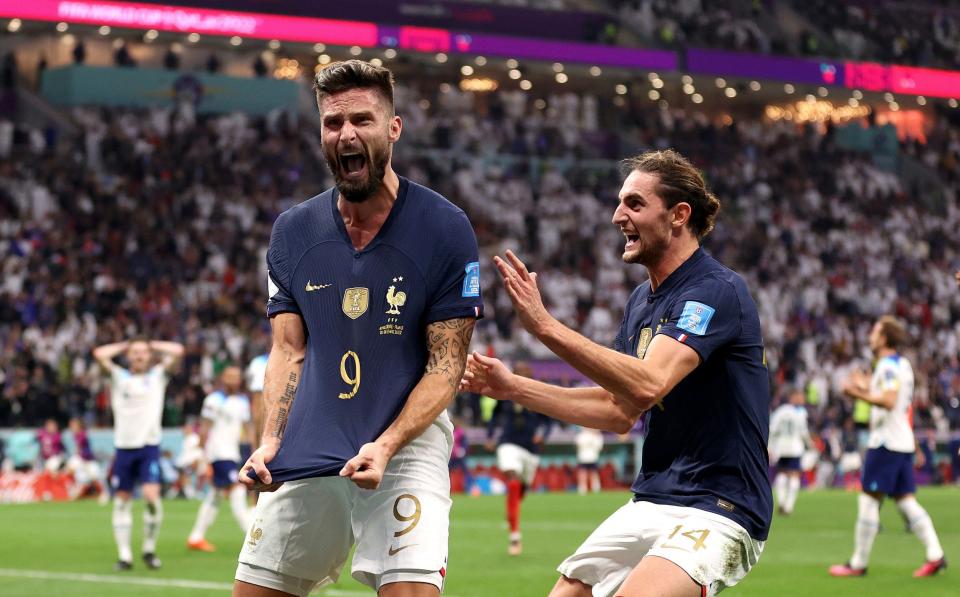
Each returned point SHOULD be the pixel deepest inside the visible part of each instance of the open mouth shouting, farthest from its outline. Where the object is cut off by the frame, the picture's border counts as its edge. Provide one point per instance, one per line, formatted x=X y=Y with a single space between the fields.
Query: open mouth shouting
x=633 y=240
x=353 y=165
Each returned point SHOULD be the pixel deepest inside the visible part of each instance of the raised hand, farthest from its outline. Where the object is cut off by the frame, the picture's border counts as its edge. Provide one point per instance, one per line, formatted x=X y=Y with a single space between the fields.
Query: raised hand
x=521 y=286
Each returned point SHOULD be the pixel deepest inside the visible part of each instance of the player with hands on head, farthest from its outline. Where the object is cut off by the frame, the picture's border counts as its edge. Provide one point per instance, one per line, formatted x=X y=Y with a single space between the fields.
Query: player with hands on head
x=689 y=358
x=136 y=396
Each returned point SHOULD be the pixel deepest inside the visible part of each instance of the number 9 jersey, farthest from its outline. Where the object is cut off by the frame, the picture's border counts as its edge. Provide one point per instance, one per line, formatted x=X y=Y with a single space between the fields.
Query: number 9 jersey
x=365 y=312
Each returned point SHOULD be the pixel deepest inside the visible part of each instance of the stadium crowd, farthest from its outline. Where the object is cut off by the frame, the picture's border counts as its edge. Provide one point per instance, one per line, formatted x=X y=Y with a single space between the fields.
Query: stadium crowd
x=156 y=223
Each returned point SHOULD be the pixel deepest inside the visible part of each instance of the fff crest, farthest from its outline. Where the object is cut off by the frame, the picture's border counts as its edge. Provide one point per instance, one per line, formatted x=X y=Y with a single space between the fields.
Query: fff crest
x=355 y=302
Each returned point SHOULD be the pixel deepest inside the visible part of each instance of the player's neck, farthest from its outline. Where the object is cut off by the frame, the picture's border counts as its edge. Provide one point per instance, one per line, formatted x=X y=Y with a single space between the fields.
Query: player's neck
x=674 y=257
x=885 y=352
x=364 y=220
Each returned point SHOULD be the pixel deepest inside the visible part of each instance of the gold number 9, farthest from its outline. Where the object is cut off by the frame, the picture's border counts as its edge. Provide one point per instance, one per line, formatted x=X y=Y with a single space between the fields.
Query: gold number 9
x=415 y=517
x=353 y=381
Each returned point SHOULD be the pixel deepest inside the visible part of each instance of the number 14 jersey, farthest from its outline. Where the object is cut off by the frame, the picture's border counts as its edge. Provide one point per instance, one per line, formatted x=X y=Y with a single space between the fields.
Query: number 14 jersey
x=366 y=314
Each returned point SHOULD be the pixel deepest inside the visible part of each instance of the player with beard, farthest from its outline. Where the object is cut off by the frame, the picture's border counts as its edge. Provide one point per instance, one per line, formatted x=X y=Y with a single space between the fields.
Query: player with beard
x=688 y=358
x=374 y=290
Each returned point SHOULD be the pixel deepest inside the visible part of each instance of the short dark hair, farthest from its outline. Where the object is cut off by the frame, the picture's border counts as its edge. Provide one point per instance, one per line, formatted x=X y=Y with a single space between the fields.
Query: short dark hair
x=894 y=332
x=353 y=74
x=679 y=181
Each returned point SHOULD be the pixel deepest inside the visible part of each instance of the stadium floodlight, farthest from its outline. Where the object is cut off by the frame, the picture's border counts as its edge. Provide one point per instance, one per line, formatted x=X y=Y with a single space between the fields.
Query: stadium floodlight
x=515 y=74
x=888 y=97
x=557 y=67
x=194 y=38
x=14 y=25
x=653 y=94
x=440 y=57
x=596 y=71
x=357 y=50
x=319 y=48
x=822 y=91
x=621 y=89
x=376 y=62
x=921 y=100
x=857 y=94
x=686 y=80
x=653 y=76
x=689 y=89
x=512 y=63
x=236 y=40
x=68 y=39
x=526 y=85
x=952 y=102
x=852 y=102
x=323 y=59
x=894 y=106
x=445 y=88
x=696 y=98
x=466 y=70
x=104 y=30
x=754 y=85
x=151 y=35
x=730 y=92
x=788 y=89
x=62 y=27
x=561 y=78
x=657 y=83
x=390 y=53
x=480 y=61
x=274 y=44
x=720 y=82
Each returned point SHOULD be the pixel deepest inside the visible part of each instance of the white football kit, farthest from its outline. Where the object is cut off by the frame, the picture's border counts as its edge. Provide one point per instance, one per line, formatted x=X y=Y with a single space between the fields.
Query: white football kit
x=137 y=401
x=892 y=428
x=229 y=414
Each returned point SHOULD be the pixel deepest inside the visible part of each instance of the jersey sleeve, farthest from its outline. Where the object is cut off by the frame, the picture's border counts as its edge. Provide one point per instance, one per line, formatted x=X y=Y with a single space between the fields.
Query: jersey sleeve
x=210 y=404
x=888 y=377
x=705 y=317
x=455 y=276
x=280 y=297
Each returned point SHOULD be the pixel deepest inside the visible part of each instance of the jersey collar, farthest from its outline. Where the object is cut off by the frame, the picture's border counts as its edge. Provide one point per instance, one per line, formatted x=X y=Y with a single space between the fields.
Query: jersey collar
x=394 y=210
x=679 y=274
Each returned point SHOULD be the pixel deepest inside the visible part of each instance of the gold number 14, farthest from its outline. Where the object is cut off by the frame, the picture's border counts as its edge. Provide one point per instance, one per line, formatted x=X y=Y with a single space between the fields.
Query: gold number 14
x=353 y=381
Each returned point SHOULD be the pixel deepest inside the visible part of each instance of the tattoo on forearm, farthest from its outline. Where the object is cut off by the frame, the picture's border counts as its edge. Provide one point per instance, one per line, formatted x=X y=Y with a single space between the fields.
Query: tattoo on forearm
x=448 y=342
x=280 y=422
x=290 y=391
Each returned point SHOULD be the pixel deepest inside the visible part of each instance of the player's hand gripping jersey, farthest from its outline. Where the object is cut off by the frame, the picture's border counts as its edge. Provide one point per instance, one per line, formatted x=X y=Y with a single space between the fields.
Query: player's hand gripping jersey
x=366 y=314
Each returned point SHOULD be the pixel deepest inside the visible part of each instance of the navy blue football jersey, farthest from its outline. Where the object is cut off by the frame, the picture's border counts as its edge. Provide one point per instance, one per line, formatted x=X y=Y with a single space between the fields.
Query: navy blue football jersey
x=519 y=425
x=366 y=314
x=706 y=443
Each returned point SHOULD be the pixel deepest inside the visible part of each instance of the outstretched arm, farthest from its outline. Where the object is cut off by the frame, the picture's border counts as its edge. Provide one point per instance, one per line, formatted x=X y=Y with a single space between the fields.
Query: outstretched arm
x=172 y=354
x=590 y=407
x=106 y=353
x=284 y=366
x=447 y=343
x=642 y=383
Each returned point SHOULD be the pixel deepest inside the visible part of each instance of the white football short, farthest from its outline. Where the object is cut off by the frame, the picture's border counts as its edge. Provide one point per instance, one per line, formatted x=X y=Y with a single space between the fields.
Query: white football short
x=715 y=551
x=515 y=459
x=302 y=533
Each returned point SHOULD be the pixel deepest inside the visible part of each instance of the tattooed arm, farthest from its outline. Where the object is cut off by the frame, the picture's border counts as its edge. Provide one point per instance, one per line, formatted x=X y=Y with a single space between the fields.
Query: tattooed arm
x=447 y=343
x=279 y=389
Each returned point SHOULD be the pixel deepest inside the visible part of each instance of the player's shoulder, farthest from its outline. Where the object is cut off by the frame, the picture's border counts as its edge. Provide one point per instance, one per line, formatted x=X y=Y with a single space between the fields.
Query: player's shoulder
x=430 y=208
x=304 y=217
x=215 y=397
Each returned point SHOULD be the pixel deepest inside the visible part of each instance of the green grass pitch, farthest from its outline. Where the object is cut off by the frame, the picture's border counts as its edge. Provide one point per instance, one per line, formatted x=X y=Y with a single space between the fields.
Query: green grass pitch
x=68 y=549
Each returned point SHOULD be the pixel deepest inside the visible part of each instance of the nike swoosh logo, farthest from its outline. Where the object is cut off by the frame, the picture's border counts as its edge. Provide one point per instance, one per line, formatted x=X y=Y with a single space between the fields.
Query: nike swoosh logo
x=394 y=551
x=311 y=287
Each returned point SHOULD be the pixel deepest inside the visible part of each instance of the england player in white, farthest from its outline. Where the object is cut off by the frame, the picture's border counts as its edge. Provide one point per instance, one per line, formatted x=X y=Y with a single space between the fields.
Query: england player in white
x=888 y=466
x=225 y=422
x=255 y=374
x=136 y=395
x=789 y=438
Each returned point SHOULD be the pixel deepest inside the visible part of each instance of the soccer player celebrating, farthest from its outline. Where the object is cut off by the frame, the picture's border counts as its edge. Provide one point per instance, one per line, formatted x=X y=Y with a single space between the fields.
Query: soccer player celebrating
x=51 y=446
x=374 y=290
x=82 y=463
x=789 y=437
x=225 y=421
x=522 y=433
x=689 y=358
x=888 y=465
x=136 y=395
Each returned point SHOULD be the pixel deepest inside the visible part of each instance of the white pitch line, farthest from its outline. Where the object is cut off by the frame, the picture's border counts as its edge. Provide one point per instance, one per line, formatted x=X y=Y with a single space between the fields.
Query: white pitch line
x=180 y=583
